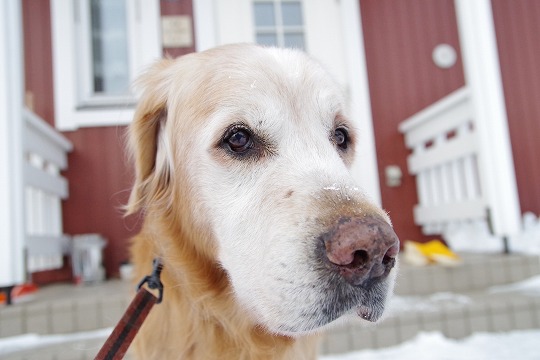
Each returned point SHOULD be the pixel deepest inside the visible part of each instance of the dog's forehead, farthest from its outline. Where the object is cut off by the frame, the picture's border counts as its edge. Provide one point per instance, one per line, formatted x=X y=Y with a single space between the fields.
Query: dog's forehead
x=272 y=84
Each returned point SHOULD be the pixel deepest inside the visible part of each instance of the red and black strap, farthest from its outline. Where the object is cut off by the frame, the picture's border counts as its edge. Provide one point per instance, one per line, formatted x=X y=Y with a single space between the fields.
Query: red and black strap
x=124 y=332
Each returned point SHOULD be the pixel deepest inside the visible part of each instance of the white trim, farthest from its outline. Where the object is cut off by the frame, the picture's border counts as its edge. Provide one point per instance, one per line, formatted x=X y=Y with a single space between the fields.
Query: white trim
x=11 y=145
x=205 y=24
x=483 y=77
x=144 y=47
x=365 y=169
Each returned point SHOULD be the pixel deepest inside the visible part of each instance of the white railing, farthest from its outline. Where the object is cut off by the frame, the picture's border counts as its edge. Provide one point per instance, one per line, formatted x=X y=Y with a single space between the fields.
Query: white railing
x=444 y=159
x=45 y=155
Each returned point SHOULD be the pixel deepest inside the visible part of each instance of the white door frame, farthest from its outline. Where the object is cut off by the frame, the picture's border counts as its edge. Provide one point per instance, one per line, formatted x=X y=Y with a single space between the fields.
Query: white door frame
x=483 y=78
x=366 y=167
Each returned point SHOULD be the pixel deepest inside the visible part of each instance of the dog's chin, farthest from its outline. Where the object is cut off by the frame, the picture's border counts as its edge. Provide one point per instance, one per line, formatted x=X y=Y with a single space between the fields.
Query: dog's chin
x=350 y=316
x=345 y=303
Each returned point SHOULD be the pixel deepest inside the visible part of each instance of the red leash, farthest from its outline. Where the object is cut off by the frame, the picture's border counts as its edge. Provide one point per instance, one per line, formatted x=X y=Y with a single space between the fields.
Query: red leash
x=123 y=334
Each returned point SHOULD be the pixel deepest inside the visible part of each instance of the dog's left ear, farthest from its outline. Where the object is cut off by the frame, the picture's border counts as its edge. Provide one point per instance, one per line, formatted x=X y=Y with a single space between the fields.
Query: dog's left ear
x=145 y=135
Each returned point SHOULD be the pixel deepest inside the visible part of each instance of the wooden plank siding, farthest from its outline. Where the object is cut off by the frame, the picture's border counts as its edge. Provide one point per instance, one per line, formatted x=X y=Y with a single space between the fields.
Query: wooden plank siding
x=99 y=174
x=399 y=40
x=517 y=25
x=38 y=58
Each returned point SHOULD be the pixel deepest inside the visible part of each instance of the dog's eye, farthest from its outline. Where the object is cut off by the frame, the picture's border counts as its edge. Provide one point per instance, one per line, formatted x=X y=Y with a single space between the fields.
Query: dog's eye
x=239 y=140
x=341 y=137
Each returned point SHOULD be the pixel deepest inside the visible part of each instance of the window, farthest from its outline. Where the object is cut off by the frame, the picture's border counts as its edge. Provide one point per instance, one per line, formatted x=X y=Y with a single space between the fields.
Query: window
x=279 y=23
x=102 y=57
x=99 y=47
x=109 y=47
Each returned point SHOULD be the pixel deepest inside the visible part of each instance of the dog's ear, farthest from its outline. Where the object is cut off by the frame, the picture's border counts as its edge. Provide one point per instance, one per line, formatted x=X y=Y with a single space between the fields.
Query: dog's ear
x=147 y=143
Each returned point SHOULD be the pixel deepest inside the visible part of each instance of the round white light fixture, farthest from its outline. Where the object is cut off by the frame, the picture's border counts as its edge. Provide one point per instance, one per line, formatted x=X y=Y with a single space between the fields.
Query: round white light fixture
x=444 y=56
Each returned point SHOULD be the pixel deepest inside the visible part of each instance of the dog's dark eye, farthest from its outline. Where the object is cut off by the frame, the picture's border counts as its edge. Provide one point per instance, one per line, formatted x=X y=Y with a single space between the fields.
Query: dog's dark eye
x=239 y=140
x=341 y=137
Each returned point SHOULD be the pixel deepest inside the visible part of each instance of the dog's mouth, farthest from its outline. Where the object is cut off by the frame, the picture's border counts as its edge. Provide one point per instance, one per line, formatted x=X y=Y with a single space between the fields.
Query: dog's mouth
x=373 y=301
x=367 y=303
x=339 y=300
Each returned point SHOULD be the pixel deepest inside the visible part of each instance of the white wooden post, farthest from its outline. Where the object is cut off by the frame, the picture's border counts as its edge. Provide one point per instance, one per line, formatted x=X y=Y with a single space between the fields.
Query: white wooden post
x=365 y=168
x=483 y=78
x=11 y=145
x=204 y=13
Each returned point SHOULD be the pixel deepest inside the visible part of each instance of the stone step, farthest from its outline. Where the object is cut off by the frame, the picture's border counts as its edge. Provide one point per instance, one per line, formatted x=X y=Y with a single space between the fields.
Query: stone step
x=65 y=308
x=478 y=271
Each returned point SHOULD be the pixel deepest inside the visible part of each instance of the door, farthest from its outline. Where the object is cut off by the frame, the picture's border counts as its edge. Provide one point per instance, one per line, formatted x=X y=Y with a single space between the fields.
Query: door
x=399 y=38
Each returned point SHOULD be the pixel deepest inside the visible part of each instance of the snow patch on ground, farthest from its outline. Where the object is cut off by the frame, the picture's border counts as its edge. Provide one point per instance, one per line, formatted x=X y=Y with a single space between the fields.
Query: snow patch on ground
x=522 y=345
x=13 y=344
x=475 y=237
x=529 y=286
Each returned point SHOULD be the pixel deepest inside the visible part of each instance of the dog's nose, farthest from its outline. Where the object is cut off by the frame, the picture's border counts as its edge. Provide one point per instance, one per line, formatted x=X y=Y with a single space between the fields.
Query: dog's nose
x=361 y=249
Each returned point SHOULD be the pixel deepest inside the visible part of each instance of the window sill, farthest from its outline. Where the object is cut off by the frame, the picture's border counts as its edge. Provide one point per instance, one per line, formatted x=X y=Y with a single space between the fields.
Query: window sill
x=95 y=117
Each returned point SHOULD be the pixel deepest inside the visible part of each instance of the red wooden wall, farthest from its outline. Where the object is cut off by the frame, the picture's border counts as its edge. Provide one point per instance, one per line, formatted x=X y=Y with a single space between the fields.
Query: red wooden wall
x=399 y=40
x=99 y=174
x=38 y=57
x=517 y=26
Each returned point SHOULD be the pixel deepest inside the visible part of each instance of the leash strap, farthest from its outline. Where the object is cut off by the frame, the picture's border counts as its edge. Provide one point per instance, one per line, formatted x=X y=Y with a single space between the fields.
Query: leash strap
x=124 y=332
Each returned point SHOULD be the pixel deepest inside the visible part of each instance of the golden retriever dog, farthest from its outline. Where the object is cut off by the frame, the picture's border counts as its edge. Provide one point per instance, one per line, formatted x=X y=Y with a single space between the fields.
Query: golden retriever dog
x=242 y=157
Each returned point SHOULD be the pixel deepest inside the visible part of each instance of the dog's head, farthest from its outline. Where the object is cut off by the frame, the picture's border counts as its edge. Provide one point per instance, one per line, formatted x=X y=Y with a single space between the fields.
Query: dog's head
x=253 y=146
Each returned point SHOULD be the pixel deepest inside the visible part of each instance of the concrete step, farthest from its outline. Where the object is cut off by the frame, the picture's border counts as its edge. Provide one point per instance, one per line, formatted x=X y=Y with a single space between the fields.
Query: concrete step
x=66 y=308
x=459 y=316
x=478 y=271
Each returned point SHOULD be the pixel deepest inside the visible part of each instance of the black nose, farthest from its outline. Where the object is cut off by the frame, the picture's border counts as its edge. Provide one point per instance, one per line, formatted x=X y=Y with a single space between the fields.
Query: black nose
x=361 y=249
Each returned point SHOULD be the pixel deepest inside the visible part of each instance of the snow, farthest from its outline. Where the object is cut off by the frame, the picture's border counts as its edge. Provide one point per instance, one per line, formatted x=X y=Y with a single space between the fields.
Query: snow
x=521 y=345
x=459 y=235
x=13 y=344
x=529 y=239
x=425 y=346
x=529 y=287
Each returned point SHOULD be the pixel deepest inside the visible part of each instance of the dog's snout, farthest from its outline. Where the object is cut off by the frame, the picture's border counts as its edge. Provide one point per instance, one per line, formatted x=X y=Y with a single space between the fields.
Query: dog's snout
x=361 y=248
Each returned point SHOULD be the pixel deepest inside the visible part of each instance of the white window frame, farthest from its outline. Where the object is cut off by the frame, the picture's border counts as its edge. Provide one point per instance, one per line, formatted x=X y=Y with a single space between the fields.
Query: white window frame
x=280 y=29
x=73 y=110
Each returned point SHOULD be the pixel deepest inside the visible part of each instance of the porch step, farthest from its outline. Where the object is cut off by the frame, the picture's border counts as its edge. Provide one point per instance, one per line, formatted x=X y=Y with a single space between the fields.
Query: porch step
x=455 y=301
x=67 y=308
x=478 y=271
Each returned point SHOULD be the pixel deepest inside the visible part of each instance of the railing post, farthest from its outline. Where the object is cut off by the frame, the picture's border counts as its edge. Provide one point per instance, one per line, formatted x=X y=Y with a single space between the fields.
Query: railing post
x=483 y=78
x=11 y=145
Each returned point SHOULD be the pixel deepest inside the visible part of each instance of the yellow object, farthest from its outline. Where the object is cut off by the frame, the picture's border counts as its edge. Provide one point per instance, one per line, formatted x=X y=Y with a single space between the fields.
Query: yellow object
x=433 y=251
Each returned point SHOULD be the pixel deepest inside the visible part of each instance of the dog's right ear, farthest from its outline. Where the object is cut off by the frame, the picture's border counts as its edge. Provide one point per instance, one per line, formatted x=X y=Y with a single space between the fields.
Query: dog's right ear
x=146 y=137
